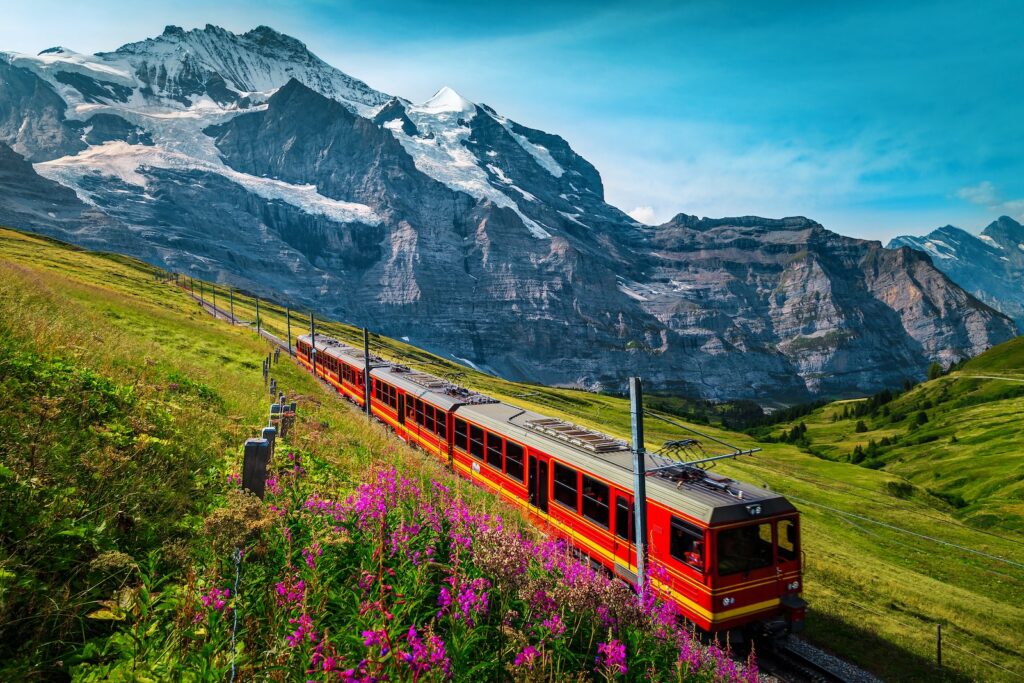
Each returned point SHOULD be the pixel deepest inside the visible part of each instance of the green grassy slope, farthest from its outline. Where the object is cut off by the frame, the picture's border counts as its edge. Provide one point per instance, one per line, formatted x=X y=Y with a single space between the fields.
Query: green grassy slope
x=876 y=585
x=958 y=440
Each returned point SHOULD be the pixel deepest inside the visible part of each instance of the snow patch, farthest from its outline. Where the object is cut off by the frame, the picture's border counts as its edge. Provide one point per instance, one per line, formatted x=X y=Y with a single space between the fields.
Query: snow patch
x=501 y=174
x=630 y=292
x=466 y=361
x=930 y=247
x=573 y=217
x=989 y=240
x=128 y=162
x=447 y=100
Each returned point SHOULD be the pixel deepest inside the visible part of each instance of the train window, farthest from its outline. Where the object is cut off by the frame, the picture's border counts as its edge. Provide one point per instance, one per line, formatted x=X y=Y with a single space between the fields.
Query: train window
x=376 y=390
x=786 y=530
x=514 y=460
x=744 y=548
x=494 y=450
x=687 y=543
x=428 y=413
x=476 y=442
x=410 y=408
x=419 y=413
x=595 y=501
x=461 y=434
x=623 y=518
x=566 y=487
x=442 y=424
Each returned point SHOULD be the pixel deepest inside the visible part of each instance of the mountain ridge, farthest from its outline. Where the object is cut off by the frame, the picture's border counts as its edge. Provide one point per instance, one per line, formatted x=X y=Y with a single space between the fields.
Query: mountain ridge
x=989 y=265
x=247 y=159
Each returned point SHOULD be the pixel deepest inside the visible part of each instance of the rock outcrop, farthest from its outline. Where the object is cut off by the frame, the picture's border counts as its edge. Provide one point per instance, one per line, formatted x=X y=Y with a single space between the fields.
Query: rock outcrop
x=989 y=266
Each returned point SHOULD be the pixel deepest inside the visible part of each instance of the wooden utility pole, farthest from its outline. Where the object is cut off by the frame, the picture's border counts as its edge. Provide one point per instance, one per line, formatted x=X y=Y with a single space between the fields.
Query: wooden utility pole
x=288 y=321
x=257 y=314
x=938 y=645
x=214 y=285
x=231 y=299
x=366 y=371
x=202 y=295
x=636 y=415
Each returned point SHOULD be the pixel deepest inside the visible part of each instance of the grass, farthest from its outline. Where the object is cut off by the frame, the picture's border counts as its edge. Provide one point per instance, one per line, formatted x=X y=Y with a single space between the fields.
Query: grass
x=956 y=440
x=876 y=592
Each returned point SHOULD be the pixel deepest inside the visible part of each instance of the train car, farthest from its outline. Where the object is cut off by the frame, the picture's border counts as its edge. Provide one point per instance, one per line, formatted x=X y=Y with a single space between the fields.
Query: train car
x=726 y=552
x=729 y=552
x=419 y=407
x=340 y=365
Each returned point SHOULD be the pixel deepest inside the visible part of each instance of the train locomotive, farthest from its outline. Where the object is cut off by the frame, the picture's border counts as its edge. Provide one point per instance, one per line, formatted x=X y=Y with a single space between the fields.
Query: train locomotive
x=728 y=553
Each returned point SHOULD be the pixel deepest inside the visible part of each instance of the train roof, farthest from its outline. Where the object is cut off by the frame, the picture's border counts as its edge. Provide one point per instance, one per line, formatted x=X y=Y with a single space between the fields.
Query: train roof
x=440 y=392
x=343 y=351
x=702 y=495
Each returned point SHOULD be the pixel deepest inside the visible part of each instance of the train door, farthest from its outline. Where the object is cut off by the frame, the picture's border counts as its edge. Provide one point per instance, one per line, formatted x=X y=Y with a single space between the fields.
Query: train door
x=538 y=484
x=401 y=408
x=625 y=550
x=787 y=551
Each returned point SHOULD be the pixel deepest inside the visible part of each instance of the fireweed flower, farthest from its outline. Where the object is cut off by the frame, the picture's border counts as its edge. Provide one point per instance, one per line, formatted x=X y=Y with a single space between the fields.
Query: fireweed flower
x=424 y=657
x=527 y=657
x=376 y=639
x=291 y=592
x=311 y=553
x=611 y=656
x=554 y=625
x=303 y=632
x=216 y=598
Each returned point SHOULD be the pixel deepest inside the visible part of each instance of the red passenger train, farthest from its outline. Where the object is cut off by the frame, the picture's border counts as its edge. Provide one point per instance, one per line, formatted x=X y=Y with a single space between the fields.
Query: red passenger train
x=729 y=553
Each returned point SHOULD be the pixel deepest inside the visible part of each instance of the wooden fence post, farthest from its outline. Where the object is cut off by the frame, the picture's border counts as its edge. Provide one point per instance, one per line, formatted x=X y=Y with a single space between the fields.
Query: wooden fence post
x=254 y=466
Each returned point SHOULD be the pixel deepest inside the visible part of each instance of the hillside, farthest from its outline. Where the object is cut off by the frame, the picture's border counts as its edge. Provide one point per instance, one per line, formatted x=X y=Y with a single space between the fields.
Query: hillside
x=246 y=159
x=876 y=591
x=126 y=547
x=956 y=439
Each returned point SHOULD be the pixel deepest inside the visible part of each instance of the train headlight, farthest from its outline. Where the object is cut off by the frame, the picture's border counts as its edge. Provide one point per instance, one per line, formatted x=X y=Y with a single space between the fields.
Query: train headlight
x=728 y=601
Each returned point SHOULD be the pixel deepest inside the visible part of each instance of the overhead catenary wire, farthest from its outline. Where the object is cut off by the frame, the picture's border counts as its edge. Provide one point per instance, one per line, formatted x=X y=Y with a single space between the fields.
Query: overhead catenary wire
x=893 y=527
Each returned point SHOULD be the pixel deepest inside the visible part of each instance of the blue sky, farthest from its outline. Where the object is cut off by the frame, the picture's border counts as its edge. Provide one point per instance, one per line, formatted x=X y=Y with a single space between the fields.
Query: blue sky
x=874 y=118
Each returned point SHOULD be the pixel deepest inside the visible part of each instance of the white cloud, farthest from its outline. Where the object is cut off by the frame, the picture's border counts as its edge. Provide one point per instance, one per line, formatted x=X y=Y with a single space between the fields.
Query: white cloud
x=643 y=214
x=986 y=194
x=983 y=194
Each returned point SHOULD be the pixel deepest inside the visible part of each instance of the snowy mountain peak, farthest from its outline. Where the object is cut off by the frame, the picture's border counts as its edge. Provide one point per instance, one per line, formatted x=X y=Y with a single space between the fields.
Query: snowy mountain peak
x=446 y=100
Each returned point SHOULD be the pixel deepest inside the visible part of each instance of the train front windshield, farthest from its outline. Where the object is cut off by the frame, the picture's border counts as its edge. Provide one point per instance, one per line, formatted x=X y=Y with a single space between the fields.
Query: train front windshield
x=756 y=546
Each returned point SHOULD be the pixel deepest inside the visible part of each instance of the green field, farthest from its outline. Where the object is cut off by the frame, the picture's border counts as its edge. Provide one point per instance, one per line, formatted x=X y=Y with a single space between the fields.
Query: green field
x=884 y=565
x=957 y=440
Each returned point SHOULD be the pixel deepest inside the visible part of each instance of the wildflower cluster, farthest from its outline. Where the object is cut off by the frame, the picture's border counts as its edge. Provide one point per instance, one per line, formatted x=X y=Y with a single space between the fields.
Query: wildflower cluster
x=404 y=580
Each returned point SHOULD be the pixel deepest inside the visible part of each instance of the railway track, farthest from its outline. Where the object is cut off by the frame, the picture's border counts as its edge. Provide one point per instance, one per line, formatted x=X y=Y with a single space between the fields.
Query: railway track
x=795 y=661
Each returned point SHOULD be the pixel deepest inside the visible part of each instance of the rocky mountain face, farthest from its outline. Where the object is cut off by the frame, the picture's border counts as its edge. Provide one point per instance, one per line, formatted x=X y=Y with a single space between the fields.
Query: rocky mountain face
x=990 y=266
x=246 y=159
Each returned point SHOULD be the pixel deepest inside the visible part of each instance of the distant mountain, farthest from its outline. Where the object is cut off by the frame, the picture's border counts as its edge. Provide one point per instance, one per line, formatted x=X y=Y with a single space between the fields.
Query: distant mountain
x=247 y=159
x=989 y=266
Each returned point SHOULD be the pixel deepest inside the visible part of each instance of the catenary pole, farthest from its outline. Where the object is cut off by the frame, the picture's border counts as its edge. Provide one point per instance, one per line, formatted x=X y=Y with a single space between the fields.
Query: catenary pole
x=636 y=415
x=312 y=340
x=366 y=371
x=288 y=321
